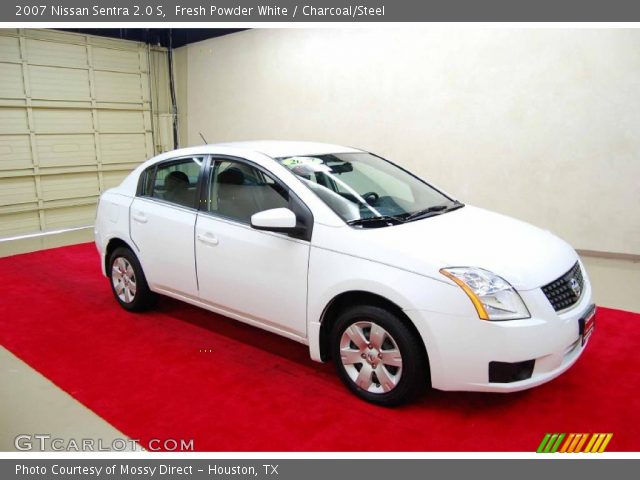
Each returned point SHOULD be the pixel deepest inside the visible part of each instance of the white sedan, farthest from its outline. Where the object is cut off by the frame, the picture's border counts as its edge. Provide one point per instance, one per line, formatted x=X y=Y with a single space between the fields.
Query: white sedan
x=398 y=283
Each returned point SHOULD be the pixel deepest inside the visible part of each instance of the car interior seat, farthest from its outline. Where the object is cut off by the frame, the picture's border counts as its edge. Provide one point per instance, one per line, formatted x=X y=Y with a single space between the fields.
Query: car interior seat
x=235 y=199
x=176 y=186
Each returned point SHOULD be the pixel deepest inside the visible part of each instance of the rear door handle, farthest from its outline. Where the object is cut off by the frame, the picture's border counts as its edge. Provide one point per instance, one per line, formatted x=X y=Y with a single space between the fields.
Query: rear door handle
x=207 y=238
x=140 y=217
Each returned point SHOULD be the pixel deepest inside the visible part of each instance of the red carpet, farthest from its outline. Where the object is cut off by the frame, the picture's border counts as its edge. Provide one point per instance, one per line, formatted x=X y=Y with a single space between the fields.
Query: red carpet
x=255 y=391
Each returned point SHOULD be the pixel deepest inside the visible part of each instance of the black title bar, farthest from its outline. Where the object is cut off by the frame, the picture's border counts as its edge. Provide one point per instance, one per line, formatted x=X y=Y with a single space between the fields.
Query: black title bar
x=319 y=11
x=274 y=469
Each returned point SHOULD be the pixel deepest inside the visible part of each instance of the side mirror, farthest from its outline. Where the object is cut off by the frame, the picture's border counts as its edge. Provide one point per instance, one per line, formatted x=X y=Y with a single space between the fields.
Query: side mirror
x=275 y=220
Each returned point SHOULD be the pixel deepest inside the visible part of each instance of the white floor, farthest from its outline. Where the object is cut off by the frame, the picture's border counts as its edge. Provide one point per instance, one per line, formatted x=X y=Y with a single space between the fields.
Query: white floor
x=30 y=404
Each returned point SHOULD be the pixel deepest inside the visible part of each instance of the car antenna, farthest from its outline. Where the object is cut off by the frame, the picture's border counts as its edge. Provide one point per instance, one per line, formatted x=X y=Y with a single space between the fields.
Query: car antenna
x=203 y=139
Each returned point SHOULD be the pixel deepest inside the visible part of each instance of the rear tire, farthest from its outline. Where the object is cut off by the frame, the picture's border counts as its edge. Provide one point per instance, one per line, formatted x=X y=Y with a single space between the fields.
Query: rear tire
x=377 y=356
x=128 y=283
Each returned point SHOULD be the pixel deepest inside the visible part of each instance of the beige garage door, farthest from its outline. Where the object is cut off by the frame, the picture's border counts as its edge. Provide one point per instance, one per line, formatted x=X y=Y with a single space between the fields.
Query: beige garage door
x=75 y=118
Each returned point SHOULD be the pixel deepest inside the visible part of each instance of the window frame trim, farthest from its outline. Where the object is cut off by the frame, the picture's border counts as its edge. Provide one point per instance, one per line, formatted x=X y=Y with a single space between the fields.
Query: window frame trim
x=153 y=170
x=203 y=206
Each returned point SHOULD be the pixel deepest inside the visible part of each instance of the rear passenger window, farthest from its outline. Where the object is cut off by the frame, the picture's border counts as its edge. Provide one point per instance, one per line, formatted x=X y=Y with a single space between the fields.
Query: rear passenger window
x=177 y=182
x=238 y=190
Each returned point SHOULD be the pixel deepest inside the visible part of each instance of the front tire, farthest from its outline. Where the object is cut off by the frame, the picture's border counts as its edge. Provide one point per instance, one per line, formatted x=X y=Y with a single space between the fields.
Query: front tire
x=377 y=356
x=128 y=283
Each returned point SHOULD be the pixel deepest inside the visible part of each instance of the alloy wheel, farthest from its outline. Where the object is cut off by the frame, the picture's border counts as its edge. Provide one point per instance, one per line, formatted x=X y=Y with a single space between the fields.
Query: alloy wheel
x=371 y=357
x=124 y=279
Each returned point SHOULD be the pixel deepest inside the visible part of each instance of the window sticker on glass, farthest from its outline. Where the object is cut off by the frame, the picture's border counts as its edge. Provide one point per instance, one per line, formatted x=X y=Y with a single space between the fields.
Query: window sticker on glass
x=306 y=166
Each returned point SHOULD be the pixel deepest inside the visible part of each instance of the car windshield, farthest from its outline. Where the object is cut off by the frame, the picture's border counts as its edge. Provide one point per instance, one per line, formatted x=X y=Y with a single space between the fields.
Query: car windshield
x=368 y=191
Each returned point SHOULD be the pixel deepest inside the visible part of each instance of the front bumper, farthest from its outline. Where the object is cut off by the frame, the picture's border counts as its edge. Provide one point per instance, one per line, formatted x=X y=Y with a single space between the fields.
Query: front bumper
x=461 y=349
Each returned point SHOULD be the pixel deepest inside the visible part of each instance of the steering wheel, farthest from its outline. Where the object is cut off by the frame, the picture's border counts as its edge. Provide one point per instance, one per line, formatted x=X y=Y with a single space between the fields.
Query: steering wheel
x=371 y=197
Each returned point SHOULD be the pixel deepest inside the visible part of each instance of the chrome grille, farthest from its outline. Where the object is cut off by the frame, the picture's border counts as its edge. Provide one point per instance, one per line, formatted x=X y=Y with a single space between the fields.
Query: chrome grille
x=566 y=290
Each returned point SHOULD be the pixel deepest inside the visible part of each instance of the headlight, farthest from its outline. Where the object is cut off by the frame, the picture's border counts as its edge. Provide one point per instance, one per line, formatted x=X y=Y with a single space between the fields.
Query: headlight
x=493 y=297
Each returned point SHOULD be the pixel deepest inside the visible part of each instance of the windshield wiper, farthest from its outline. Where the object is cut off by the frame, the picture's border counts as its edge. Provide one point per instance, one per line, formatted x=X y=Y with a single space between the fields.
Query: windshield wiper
x=385 y=219
x=435 y=210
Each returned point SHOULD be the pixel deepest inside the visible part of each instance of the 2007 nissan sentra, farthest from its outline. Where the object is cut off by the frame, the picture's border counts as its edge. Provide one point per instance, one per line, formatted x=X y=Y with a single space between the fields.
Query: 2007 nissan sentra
x=397 y=282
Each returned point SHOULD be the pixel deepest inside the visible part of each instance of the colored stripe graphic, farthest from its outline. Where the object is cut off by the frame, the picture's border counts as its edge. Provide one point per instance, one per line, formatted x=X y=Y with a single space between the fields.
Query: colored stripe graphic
x=543 y=443
x=581 y=442
x=591 y=442
x=607 y=439
x=596 y=446
x=550 y=443
x=567 y=442
x=557 y=444
x=574 y=443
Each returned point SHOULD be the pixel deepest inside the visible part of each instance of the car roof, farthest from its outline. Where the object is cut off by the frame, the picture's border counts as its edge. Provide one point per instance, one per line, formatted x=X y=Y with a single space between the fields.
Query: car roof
x=275 y=148
x=268 y=148
x=272 y=148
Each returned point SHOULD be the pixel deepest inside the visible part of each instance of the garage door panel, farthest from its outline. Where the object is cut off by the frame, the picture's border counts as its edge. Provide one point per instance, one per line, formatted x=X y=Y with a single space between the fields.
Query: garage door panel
x=9 y=49
x=53 y=83
x=164 y=129
x=107 y=42
x=118 y=60
x=150 y=145
x=62 y=121
x=11 y=85
x=79 y=216
x=123 y=148
x=54 y=36
x=118 y=87
x=135 y=107
x=17 y=190
x=13 y=120
x=113 y=179
x=15 y=152
x=75 y=118
x=146 y=94
x=76 y=185
x=66 y=150
x=56 y=54
x=144 y=63
x=19 y=223
x=114 y=121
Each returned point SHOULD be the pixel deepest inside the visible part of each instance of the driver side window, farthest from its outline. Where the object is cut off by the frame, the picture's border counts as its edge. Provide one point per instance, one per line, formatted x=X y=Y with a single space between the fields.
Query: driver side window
x=238 y=190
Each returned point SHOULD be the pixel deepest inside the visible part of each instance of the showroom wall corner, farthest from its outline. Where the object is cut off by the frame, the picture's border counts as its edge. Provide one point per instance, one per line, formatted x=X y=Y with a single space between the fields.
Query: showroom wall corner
x=181 y=79
x=77 y=113
x=527 y=122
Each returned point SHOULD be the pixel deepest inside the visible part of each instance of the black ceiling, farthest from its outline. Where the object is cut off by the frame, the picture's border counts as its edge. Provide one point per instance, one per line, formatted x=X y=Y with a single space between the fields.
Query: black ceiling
x=167 y=37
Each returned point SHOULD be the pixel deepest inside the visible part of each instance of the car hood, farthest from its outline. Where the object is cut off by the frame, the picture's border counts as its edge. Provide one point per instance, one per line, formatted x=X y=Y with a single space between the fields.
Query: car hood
x=526 y=256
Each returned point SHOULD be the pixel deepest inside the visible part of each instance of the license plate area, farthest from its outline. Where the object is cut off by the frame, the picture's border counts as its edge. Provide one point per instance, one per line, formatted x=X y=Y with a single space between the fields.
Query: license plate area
x=587 y=324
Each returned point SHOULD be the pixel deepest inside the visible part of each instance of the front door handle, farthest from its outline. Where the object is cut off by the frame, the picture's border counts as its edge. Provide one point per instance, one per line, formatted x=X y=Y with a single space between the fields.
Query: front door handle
x=140 y=218
x=207 y=238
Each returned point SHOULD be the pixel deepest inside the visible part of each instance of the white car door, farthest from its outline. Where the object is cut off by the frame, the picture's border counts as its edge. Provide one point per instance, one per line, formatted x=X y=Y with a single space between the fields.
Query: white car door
x=163 y=219
x=258 y=276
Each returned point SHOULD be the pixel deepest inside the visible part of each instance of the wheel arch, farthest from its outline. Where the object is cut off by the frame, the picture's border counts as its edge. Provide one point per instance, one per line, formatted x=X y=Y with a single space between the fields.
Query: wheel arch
x=360 y=297
x=112 y=244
